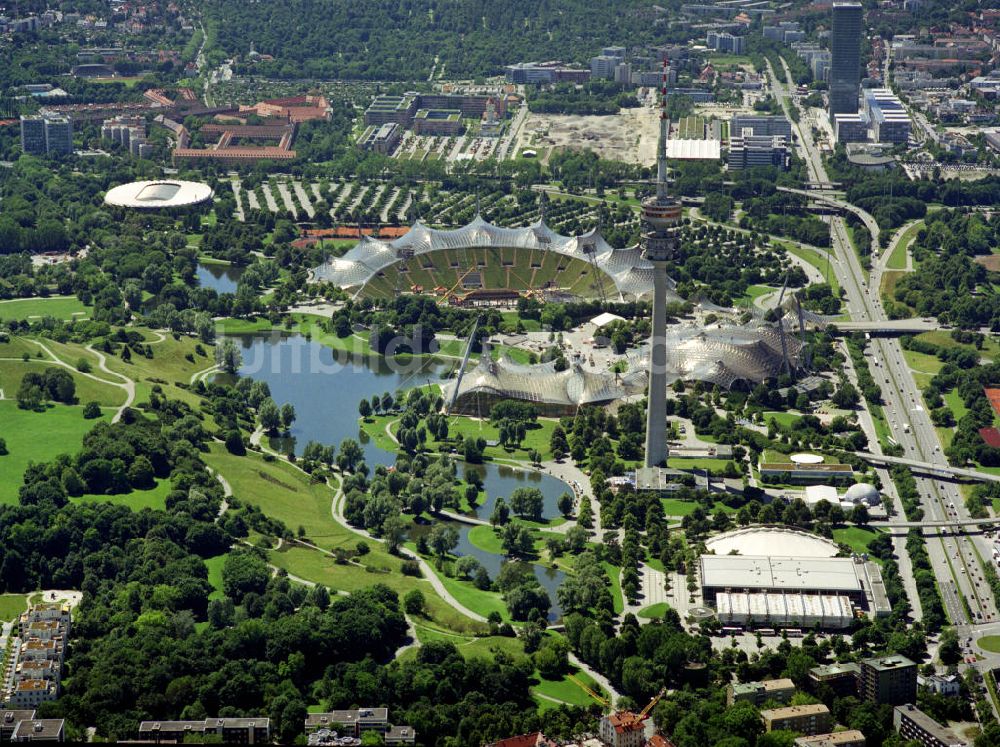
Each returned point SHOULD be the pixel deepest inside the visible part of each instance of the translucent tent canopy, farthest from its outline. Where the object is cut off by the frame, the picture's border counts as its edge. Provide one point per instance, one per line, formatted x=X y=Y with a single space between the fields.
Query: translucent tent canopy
x=631 y=274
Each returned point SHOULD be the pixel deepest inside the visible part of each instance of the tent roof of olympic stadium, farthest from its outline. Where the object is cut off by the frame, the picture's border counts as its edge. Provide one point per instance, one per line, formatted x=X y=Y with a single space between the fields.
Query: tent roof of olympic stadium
x=631 y=273
x=542 y=383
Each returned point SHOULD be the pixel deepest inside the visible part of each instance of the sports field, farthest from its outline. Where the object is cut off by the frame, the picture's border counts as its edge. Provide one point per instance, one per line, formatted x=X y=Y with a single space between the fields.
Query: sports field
x=65 y=308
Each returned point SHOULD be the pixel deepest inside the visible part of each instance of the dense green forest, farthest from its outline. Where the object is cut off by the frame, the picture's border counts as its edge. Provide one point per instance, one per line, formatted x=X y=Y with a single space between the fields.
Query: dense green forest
x=400 y=39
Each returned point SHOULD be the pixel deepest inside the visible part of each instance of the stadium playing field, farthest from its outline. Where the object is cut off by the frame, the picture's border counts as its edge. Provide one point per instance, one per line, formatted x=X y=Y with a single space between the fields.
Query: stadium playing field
x=455 y=271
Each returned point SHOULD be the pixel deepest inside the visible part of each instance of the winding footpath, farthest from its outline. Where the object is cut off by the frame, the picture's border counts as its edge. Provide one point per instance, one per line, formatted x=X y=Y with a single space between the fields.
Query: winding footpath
x=126 y=383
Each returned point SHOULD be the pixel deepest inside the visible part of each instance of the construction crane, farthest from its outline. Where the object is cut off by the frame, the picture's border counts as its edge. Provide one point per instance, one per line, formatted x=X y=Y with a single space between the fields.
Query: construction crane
x=580 y=683
x=649 y=706
x=451 y=291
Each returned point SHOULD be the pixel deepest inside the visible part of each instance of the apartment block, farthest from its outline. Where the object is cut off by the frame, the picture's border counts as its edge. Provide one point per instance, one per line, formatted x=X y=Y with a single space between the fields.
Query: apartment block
x=914 y=725
x=759 y=693
x=804 y=719
x=849 y=738
x=888 y=679
x=253 y=730
x=842 y=679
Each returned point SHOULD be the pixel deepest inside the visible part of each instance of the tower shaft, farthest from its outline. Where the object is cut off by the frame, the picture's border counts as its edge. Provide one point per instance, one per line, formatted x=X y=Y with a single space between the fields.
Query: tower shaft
x=656 y=412
x=662 y=215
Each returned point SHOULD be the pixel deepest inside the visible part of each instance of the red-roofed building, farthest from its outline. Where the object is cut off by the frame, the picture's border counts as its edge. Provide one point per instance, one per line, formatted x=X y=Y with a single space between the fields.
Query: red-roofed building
x=658 y=740
x=993 y=395
x=534 y=739
x=991 y=436
x=623 y=729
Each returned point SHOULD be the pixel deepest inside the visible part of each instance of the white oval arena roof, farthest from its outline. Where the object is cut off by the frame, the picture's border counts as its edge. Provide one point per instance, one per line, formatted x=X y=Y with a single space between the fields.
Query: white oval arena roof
x=158 y=195
x=806 y=458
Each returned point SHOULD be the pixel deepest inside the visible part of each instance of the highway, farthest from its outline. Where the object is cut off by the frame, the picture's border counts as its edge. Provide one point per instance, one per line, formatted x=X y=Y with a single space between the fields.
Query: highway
x=955 y=559
x=939 y=470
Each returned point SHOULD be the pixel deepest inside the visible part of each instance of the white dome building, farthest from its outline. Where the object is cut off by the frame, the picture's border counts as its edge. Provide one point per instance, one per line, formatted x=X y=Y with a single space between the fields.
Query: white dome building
x=862 y=492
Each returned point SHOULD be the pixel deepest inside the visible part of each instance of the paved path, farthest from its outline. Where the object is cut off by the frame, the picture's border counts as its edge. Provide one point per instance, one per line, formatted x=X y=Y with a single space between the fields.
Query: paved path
x=597 y=677
x=227 y=492
x=579 y=482
x=204 y=373
x=269 y=197
x=300 y=192
x=240 y=215
x=286 y=198
x=127 y=383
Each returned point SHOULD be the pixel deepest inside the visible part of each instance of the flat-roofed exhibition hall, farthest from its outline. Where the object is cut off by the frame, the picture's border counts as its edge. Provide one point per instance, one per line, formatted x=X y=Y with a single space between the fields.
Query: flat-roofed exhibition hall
x=158 y=195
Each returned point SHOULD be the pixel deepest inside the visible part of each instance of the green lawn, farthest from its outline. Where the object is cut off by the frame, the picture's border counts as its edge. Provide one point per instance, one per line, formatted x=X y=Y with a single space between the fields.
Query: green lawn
x=168 y=367
x=955 y=403
x=786 y=419
x=897 y=260
x=756 y=291
x=215 y=575
x=154 y=498
x=677 y=507
x=857 y=538
x=699 y=463
x=567 y=690
x=654 y=611
x=924 y=366
x=65 y=308
x=476 y=600
x=36 y=437
x=536 y=438
x=990 y=349
x=817 y=260
x=614 y=573
x=485 y=539
x=319 y=568
x=285 y=493
x=989 y=643
x=87 y=389
x=887 y=290
x=881 y=424
x=12 y=605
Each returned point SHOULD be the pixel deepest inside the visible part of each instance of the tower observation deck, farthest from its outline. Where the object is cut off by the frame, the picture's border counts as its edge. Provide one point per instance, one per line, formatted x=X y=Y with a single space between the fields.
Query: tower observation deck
x=662 y=215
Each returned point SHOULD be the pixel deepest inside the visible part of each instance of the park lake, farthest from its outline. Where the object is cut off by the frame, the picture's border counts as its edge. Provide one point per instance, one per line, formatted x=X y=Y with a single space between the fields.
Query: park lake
x=325 y=387
x=220 y=278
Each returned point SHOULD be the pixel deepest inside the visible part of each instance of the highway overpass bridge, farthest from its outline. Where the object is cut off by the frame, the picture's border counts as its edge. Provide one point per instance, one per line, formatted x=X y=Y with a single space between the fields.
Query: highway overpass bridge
x=937 y=470
x=828 y=199
x=890 y=328
x=934 y=524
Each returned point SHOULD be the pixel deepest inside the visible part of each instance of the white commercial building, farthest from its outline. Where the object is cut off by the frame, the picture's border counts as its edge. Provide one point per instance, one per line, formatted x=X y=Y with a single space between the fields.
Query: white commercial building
x=781 y=610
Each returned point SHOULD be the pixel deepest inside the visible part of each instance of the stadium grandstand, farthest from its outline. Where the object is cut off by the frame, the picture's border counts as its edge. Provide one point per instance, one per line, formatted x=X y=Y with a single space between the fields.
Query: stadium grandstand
x=481 y=256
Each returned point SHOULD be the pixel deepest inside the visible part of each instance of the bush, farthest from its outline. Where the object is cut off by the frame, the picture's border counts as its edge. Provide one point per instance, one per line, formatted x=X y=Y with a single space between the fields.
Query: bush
x=234 y=443
x=411 y=568
x=414 y=602
x=91 y=410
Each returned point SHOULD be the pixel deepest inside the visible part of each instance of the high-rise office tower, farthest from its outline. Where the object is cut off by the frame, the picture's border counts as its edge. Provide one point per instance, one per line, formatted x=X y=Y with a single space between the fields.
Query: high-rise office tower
x=662 y=216
x=845 y=58
x=41 y=134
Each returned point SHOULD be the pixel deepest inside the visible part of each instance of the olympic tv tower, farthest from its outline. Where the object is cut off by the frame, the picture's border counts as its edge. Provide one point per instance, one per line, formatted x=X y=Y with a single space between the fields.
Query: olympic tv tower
x=662 y=240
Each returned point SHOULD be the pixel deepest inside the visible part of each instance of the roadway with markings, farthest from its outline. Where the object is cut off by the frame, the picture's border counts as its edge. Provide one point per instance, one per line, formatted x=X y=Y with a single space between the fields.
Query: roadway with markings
x=955 y=559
